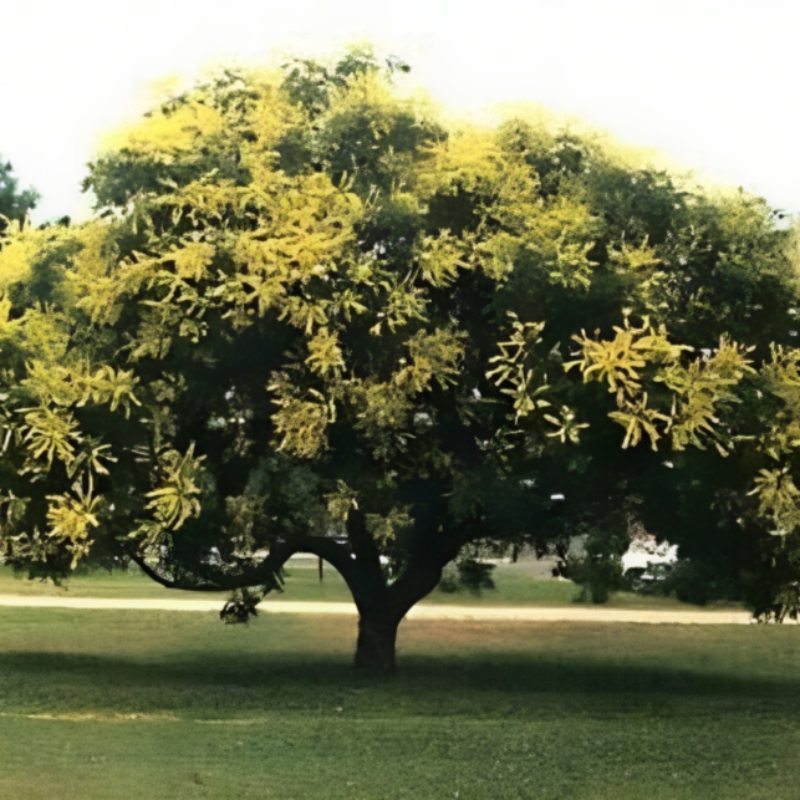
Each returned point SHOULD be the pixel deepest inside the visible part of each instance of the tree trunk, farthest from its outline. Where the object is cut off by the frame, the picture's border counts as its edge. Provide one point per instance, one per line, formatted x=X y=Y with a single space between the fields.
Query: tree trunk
x=375 y=648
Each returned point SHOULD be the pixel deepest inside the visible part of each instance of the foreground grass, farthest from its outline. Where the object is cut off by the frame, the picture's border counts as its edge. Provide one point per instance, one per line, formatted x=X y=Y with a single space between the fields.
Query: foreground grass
x=100 y=705
x=517 y=584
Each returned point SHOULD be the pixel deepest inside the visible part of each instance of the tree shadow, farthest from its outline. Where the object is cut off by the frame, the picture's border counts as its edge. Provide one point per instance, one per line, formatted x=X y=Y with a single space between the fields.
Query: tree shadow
x=190 y=684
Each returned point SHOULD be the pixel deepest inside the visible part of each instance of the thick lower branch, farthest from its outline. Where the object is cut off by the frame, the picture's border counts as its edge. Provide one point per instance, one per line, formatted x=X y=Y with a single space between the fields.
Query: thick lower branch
x=210 y=578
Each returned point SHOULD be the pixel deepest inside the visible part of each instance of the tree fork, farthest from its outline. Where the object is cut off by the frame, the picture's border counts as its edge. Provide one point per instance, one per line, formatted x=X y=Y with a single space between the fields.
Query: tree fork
x=380 y=616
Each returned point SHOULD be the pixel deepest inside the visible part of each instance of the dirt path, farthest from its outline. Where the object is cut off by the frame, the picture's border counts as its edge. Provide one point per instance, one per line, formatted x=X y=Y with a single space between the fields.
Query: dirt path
x=477 y=613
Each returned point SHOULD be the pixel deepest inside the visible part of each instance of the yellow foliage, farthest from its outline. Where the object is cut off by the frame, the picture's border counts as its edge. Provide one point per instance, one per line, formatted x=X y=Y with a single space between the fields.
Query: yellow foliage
x=166 y=136
x=701 y=389
x=300 y=424
x=270 y=119
x=384 y=529
x=470 y=159
x=78 y=384
x=781 y=377
x=71 y=518
x=40 y=334
x=176 y=499
x=621 y=360
x=435 y=355
x=512 y=373
x=50 y=434
x=441 y=257
x=305 y=225
x=779 y=499
x=403 y=303
x=5 y=313
x=96 y=251
x=498 y=254
x=562 y=233
x=383 y=406
x=638 y=419
x=567 y=425
x=641 y=257
x=366 y=97
x=17 y=255
x=325 y=354
x=341 y=501
x=191 y=259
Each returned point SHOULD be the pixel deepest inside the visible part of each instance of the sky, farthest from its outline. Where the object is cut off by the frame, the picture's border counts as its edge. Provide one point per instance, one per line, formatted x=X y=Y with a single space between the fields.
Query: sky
x=713 y=84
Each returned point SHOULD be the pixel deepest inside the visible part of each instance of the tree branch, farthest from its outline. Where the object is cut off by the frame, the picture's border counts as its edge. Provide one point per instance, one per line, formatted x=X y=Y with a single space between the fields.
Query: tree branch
x=211 y=578
x=427 y=556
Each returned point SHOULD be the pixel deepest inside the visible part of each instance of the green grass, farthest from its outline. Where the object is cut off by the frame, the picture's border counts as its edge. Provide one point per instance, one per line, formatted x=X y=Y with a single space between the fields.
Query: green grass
x=97 y=705
x=517 y=584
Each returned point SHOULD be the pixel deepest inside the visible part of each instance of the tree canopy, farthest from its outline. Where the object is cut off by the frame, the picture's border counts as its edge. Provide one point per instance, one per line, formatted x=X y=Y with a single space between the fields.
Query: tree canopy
x=14 y=203
x=312 y=316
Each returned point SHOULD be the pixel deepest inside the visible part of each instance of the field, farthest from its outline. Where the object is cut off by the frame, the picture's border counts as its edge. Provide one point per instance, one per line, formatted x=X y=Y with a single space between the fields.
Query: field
x=523 y=583
x=96 y=705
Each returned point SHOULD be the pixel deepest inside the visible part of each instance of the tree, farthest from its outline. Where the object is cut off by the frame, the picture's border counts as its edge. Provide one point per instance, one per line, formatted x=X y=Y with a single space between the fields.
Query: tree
x=309 y=317
x=14 y=204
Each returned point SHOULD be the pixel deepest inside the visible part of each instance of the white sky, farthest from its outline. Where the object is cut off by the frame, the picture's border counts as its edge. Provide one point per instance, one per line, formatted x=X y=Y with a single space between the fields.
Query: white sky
x=713 y=83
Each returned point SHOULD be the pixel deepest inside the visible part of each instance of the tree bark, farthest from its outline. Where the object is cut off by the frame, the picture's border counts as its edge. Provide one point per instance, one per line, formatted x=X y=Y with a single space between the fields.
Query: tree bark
x=375 y=647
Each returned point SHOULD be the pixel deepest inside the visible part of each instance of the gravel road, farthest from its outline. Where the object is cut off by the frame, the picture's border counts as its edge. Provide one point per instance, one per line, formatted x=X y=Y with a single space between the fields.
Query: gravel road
x=477 y=613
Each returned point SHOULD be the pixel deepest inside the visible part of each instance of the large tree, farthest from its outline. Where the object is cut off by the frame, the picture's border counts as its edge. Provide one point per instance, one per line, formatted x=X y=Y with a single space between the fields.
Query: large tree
x=311 y=317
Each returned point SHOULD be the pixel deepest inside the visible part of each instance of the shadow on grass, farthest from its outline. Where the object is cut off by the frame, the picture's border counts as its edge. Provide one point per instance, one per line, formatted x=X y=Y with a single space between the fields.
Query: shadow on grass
x=422 y=684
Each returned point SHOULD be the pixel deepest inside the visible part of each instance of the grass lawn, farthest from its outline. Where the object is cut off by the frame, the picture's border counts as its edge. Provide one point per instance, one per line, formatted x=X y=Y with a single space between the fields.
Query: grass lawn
x=98 y=705
x=517 y=584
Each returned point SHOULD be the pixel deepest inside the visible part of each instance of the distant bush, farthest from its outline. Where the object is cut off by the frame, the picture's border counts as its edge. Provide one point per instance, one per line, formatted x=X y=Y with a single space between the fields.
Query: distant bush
x=467 y=574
